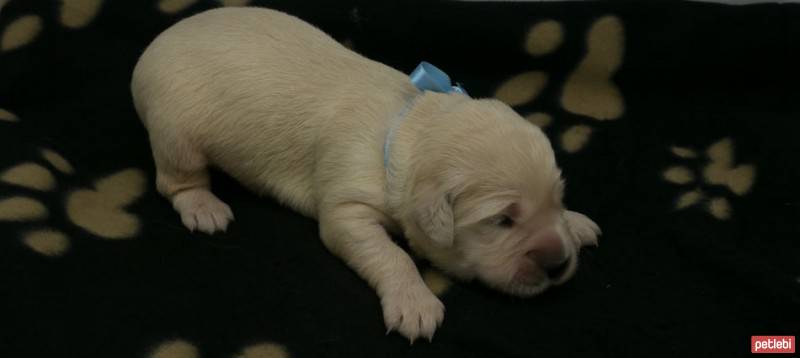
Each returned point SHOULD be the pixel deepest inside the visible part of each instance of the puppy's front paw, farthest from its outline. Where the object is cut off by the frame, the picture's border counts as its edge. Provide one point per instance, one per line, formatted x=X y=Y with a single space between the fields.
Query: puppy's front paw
x=584 y=229
x=413 y=312
x=202 y=210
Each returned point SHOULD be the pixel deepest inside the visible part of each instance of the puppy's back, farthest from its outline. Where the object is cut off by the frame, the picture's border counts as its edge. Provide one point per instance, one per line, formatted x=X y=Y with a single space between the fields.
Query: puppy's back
x=229 y=53
x=250 y=89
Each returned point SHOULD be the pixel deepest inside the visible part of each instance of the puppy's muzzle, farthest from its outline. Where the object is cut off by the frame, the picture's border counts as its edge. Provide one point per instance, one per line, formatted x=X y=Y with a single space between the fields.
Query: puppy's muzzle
x=555 y=258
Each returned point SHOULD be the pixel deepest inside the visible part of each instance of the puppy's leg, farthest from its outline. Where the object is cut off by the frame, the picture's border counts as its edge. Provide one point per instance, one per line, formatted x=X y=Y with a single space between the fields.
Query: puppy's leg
x=353 y=232
x=584 y=230
x=182 y=177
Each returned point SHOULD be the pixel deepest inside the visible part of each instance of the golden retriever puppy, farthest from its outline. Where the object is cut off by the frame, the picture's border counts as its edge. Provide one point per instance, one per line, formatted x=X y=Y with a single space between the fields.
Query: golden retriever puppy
x=289 y=112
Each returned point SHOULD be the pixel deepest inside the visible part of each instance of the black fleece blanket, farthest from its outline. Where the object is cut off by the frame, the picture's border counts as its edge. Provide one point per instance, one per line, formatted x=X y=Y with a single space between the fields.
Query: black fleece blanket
x=676 y=126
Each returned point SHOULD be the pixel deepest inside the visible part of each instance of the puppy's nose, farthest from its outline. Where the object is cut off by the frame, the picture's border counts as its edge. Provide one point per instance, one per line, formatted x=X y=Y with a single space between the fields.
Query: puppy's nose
x=549 y=254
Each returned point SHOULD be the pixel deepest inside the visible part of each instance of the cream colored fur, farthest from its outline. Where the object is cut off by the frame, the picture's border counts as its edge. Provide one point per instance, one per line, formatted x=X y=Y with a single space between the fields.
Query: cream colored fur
x=290 y=113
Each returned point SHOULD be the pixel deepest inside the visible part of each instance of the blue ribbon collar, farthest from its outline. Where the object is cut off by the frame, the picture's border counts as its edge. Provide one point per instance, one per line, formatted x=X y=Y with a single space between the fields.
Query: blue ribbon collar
x=426 y=77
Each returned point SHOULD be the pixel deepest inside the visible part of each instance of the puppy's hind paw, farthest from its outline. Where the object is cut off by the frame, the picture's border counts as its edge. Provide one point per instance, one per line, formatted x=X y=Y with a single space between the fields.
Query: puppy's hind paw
x=584 y=229
x=201 y=210
x=414 y=313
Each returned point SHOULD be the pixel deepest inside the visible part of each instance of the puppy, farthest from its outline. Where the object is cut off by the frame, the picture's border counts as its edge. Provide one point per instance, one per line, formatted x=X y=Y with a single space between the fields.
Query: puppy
x=290 y=113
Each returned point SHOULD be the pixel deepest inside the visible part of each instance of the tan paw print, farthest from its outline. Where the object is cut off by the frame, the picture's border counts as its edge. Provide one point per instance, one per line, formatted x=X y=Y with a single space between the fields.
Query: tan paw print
x=176 y=6
x=77 y=14
x=720 y=170
x=73 y=14
x=7 y=116
x=179 y=348
x=100 y=210
x=20 y=32
x=588 y=90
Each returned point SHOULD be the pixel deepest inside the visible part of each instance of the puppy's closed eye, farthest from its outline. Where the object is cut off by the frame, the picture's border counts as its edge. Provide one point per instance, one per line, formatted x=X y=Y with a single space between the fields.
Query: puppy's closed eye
x=503 y=221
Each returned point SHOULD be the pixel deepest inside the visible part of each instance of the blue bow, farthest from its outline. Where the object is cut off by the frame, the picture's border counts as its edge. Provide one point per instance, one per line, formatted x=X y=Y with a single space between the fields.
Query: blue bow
x=427 y=77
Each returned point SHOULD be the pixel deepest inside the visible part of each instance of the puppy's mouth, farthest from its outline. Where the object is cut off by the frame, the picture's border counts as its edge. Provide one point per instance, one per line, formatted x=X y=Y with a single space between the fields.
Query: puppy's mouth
x=563 y=272
x=526 y=290
x=556 y=273
x=527 y=283
x=531 y=285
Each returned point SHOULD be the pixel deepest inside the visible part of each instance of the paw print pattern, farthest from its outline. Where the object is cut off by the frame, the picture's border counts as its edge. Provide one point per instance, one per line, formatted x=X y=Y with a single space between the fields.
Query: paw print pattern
x=720 y=170
x=20 y=32
x=77 y=14
x=22 y=208
x=47 y=242
x=73 y=14
x=264 y=350
x=176 y=6
x=179 y=348
x=99 y=211
x=544 y=38
x=588 y=91
x=7 y=116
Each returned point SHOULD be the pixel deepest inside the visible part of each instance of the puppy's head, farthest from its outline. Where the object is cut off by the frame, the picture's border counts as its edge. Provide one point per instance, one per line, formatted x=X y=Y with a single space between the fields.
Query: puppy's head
x=485 y=201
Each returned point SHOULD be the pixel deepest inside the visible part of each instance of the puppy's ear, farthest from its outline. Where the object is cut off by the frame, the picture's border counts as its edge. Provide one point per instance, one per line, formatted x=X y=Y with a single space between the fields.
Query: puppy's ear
x=433 y=213
x=583 y=229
